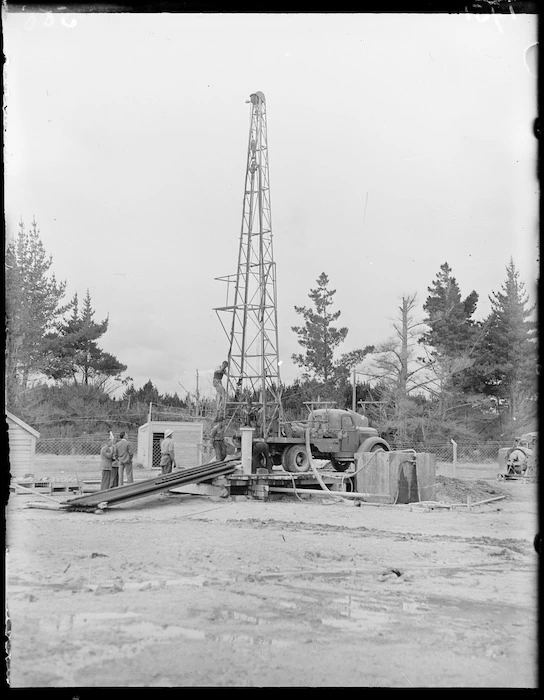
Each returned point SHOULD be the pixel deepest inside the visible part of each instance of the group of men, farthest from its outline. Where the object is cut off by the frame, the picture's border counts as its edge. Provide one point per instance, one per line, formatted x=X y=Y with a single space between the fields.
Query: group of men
x=116 y=462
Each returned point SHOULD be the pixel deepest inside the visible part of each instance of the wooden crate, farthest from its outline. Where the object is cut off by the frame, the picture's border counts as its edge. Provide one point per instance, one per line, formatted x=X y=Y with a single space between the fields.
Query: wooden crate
x=38 y=486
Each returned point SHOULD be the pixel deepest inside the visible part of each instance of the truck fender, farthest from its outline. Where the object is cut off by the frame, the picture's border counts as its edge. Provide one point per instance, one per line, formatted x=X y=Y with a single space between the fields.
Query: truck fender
x=370 y=443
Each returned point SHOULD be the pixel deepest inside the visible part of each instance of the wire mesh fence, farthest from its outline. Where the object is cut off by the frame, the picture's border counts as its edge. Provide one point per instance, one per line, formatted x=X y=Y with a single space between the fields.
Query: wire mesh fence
x=82 y=446
x=463 y=453
x=90 y=446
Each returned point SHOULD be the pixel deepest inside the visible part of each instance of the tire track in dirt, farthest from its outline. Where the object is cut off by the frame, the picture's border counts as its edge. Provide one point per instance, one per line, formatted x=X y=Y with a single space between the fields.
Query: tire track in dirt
x=520 y=546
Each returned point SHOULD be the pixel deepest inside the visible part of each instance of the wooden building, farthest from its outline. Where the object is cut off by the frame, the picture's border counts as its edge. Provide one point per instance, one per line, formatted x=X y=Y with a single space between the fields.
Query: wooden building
x=22 y=446
x=187 y=438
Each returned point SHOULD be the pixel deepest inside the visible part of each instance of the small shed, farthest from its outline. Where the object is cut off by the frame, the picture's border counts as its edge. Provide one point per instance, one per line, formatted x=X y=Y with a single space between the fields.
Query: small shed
x=187 y=437
x=22 y=446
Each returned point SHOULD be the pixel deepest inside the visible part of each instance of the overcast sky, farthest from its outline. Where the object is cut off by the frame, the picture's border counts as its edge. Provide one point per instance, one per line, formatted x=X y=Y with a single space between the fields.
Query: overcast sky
x=126 y=138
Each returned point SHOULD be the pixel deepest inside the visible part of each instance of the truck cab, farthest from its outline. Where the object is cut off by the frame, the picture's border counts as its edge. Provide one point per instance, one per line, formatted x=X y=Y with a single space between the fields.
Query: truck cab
x=352 y=431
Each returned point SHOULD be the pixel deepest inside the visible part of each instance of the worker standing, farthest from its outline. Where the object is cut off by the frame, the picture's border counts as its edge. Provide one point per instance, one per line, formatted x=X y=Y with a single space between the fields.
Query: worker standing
x=125 y=454
x=260 y=457
x=217 y=435
x=218 y=383
x=107 y=453
x=168 y=457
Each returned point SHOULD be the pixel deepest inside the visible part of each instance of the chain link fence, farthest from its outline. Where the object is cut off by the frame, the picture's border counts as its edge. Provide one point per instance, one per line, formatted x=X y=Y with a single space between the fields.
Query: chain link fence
x=462 y=453
x=89 y=446
x=466 y=453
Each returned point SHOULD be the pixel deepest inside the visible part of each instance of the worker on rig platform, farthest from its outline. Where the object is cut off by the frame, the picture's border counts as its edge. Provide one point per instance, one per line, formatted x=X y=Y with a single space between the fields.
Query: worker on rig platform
x=217 y=382
x=217 y=435
x=260 y=457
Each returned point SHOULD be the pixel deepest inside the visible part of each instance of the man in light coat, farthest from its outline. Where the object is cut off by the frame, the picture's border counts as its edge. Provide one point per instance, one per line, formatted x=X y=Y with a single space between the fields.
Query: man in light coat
x=218 y=384
x=107 y=454
x=168 y=457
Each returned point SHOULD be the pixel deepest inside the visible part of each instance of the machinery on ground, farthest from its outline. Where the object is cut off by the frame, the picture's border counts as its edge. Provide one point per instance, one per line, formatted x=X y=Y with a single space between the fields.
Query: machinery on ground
x=249 y=319
x=520 y=460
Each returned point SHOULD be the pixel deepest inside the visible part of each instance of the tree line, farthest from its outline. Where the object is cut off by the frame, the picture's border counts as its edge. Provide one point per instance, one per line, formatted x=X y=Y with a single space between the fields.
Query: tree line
x=440 y=375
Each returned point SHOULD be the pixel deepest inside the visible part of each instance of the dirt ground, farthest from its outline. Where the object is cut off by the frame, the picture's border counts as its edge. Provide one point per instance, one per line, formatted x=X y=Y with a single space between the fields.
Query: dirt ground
x=187 y=591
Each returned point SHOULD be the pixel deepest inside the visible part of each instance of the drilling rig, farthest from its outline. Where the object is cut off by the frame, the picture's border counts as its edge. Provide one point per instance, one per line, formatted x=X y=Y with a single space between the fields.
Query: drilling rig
x=249 y=317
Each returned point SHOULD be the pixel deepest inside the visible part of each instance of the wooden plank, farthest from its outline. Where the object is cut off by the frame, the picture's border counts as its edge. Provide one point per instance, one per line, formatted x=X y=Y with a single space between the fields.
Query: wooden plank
x=202 y=490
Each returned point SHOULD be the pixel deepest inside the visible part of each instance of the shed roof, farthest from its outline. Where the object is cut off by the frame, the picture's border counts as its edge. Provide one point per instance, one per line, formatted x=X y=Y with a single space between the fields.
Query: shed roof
x=23 y=425
x=169 y=423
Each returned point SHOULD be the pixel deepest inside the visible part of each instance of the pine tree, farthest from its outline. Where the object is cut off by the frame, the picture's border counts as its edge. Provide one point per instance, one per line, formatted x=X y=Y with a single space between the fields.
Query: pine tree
x=73 y=351
x=454 y=339
x=148 y=393
x=509 y=358
x=318 y=336
x=33 y=306
x=452 y=331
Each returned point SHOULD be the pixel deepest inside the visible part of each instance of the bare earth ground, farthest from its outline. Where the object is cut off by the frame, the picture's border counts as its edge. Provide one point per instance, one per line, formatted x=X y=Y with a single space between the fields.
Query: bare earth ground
x=178 y=590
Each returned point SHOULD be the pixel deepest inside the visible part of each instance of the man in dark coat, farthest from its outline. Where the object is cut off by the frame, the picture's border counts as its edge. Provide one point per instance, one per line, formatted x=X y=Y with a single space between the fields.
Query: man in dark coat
x=124 y=453
x=217 y=435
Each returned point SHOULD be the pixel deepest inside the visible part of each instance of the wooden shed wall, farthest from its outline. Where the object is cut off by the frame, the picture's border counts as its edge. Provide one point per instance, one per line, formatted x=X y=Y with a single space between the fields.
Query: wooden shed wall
x=187 y=438
x=22 y=450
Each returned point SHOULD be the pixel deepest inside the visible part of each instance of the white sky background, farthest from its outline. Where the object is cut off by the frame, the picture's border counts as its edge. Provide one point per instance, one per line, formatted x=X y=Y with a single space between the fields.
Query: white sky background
x=126 y=137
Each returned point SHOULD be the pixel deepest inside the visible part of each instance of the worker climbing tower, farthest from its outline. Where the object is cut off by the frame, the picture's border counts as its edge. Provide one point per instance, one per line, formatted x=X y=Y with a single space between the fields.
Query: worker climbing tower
x=249 y=317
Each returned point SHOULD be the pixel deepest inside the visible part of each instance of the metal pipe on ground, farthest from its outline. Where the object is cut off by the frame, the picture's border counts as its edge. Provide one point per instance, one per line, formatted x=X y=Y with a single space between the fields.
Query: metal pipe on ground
x=327 y=493
x=149 y=486
x=470 y=505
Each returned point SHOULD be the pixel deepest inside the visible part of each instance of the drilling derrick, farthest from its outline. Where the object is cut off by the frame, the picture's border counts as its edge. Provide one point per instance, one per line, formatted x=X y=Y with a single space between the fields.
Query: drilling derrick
x=249 y=317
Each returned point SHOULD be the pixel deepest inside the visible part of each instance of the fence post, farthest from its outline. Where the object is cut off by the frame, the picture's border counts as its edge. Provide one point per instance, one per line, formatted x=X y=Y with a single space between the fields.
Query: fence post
x=454 y=457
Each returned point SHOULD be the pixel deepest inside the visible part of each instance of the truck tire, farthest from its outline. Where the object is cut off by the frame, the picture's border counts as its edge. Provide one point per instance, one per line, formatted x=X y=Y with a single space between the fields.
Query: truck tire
x=340 y=466
x=295 y=459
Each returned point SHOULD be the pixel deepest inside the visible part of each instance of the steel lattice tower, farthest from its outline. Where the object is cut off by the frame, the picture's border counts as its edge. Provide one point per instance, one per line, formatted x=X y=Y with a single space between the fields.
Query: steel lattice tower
x=253 y=366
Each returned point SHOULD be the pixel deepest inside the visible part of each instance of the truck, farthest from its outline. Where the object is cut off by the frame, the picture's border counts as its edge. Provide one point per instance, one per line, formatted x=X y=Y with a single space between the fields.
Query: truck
x=337 y=435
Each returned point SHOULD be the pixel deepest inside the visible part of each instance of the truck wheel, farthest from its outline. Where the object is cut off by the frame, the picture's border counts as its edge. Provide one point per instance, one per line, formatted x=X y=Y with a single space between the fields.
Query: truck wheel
x=295 y=459
x=340 y=466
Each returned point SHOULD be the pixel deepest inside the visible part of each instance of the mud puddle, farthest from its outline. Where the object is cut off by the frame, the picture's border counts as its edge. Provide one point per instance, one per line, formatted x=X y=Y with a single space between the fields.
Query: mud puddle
x=130 y=625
